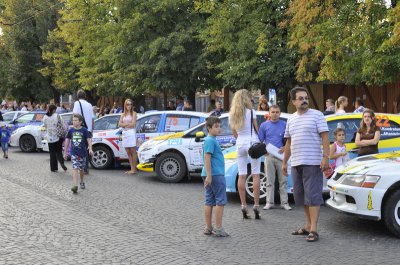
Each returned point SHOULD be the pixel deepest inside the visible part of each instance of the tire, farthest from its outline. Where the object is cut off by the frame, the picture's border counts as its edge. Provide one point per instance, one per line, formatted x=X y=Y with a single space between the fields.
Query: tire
x=391 y=213
x=170 y=167
x=27 y=143
x=263 y=185
x=102 y=157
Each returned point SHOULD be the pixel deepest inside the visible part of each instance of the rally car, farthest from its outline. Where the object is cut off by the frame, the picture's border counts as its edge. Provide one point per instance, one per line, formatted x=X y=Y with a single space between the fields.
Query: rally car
x=107 y=144
x=176 y=156
x=369 y=187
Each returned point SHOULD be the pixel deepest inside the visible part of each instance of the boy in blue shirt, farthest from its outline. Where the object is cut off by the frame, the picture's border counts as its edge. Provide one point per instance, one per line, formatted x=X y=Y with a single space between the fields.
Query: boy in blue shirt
x=80 y=140
x=213 y=174
x=5 y=138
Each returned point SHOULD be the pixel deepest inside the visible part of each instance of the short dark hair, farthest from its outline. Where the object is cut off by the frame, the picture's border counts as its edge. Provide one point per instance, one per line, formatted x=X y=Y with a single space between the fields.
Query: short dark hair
x=81 y=94
x=78 y=116
x=360 y=102
x=210 y=121
x=297 y=89
x=275 y=107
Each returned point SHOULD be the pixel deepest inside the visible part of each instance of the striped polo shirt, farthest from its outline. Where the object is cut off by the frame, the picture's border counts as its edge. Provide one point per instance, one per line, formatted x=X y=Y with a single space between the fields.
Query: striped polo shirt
x=303 y=131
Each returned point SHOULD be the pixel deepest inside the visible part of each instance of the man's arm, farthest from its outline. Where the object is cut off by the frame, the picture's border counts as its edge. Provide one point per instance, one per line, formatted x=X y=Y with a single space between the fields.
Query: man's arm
x=286 y=156
x=325 y=146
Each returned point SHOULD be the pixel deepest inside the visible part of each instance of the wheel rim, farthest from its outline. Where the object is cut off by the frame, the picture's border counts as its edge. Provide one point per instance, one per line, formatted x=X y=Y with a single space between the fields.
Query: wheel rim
x=397 y=213
x=170 y=167
x=263 y=185
x=100 y=158
x=26 y=144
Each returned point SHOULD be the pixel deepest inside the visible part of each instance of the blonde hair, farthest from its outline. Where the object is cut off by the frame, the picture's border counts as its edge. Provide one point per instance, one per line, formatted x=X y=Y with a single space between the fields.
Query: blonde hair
x=339 y=101
x=240 y=102
x=126 y=112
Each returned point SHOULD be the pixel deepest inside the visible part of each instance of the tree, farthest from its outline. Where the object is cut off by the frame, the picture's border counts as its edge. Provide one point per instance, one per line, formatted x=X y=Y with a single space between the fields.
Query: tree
x=344 y=41
x=249 y=44
x=25 y=27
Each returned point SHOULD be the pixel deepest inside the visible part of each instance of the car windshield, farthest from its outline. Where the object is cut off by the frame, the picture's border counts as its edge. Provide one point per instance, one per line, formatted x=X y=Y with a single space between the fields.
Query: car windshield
x=350 y=126
x=25 y=118
x=8 y=116
x=106 y=123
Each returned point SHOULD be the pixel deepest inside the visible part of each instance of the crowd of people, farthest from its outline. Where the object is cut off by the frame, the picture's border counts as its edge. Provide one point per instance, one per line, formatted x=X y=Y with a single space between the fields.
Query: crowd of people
x=308 y=162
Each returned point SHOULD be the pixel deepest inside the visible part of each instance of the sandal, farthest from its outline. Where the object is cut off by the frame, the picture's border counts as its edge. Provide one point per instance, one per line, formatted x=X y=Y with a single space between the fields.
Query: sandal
x=256 y=212
x=208 y=231
x=300 y=232
x=312 y=237
x=245 y=213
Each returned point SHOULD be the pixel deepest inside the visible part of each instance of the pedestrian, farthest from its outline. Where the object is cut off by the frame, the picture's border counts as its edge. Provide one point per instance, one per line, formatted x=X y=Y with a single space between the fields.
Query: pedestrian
x=212 y=105
x=179 y=103
x=187 y=105
x=85 y=109
x=338 y=148
x=359 y=106
x=50 y=121
x=171 y=105
x=330 y=106
x=245 y=130
x=368 y=135
x=263 y=106
x=304 y=131
x=80 y=139
x=340 y=105
x=5 y=138
x=213 y=175
x=128 y=122
x=95 y=112
x=272 y=132
x=218 y=109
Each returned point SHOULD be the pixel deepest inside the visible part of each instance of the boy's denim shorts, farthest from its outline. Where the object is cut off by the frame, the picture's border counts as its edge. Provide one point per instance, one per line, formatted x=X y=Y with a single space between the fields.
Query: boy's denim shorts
x=4 y=146
x=215 y=194
x=78 y=162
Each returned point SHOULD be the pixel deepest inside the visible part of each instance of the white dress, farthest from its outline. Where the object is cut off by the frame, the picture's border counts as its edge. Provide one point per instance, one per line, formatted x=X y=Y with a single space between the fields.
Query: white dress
x=129 y=134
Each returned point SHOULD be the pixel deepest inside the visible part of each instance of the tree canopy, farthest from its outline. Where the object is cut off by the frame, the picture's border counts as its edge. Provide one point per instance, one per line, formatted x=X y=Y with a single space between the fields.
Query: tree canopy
x=131 y=47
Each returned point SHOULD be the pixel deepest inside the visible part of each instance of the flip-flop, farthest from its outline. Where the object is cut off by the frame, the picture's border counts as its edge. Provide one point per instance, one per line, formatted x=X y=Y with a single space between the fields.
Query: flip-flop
x=300 y=232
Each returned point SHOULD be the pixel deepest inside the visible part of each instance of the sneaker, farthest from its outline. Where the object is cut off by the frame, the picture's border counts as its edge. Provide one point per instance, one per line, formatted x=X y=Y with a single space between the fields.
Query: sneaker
x=220 y=232
x=6 y=156
x=82 y=185
x=74 y=189
x=268 y=206
x=286 y=207
x=208 y=231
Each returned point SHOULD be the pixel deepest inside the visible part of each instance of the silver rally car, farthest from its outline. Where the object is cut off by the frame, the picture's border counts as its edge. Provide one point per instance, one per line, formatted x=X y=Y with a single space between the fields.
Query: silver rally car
x=369 y=187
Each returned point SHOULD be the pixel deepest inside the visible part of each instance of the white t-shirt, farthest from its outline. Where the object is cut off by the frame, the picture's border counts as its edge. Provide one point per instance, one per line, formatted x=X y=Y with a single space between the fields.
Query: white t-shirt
x=87 y=112
x=340 y=111
x=304 y=132
x=245 y=136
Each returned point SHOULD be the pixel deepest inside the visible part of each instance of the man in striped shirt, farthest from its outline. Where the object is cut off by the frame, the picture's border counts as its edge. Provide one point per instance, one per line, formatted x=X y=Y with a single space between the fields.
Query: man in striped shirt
x=304 y=131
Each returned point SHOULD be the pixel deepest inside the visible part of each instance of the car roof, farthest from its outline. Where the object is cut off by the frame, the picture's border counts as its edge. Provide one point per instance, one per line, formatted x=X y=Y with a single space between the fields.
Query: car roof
x=177 y=112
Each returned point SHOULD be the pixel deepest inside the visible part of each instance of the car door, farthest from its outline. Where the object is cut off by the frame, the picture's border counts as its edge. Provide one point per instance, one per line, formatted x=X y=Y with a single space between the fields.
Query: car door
x=195 y=148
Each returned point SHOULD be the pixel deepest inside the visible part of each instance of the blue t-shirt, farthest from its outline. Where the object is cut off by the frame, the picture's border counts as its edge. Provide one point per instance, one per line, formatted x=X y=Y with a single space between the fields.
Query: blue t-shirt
x=272 y=132
x=212 y=147
x=5 y=135
x=79 y=143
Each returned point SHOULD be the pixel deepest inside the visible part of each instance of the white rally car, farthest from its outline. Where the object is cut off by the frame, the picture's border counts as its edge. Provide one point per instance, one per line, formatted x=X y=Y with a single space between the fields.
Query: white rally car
x=176 y=156
x=107 y=144
x=369 y=187
x=28 y=138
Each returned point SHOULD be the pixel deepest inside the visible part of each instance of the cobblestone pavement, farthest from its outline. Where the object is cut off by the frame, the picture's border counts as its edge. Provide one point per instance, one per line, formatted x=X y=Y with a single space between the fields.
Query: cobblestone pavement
x=121 y=219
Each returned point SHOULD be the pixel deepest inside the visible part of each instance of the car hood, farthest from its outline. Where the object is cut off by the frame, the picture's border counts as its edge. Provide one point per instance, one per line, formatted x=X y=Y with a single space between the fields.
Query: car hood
x=372 y=163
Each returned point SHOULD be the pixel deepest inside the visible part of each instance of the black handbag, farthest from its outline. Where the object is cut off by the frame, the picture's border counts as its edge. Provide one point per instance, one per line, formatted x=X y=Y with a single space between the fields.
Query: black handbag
x=256 y=150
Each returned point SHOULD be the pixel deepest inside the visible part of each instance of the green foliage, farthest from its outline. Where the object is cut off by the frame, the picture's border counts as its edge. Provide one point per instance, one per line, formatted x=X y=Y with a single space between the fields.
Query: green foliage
x=348 y=42
x=249 y=46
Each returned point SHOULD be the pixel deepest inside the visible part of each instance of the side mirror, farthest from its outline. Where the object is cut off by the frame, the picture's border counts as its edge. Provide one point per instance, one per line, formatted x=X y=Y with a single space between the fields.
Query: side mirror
x=199 y=136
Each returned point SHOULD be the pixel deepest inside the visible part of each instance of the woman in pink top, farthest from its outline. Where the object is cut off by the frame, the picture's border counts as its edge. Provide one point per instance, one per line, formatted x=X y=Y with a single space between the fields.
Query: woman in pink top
x=128 y=123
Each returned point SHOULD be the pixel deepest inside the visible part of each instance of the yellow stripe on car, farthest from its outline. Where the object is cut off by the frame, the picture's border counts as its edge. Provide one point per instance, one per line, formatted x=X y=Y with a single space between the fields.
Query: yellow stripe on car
x=169 y=136
x=148 y=167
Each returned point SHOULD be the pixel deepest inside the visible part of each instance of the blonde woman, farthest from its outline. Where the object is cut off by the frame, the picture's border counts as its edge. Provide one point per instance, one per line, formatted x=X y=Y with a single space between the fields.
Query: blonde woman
x=128 y=123
x=241 y=123
x=340 y=104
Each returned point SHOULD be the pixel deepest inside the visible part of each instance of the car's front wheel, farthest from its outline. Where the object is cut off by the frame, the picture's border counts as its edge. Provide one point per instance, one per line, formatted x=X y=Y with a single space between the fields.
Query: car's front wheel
x=102 y=157
x=170 y=167
x=250 y=185
x=391 y=213
x=27 y=143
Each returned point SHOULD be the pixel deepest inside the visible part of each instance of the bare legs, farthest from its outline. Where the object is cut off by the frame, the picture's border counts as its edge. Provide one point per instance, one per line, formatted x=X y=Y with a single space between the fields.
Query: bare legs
x=312 y=214
x=132 y=156
x=242 y=189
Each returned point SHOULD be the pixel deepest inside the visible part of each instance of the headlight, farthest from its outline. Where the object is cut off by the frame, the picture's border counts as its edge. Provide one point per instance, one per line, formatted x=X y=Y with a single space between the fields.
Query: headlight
x=364 y=181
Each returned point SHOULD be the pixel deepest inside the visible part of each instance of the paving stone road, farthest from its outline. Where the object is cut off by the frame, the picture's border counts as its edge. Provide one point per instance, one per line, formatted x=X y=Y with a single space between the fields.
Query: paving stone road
x=121 y=219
